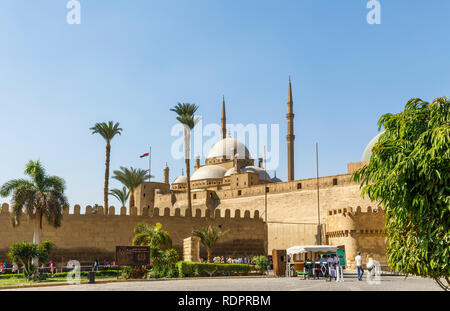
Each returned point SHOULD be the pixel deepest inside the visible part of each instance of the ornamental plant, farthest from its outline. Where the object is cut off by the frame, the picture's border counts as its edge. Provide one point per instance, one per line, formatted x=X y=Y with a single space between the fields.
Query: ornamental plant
x=409 y=176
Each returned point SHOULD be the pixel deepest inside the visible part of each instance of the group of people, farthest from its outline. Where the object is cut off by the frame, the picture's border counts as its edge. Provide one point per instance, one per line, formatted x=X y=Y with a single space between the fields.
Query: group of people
x=16 y=269
x=328 y=266
x=240 y=260
x=4 y=268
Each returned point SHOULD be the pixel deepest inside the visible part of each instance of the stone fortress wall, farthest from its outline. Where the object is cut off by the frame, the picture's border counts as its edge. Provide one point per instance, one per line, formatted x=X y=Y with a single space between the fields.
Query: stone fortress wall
x=292 y=211
x=85 y=237
x=359 y=230
x=258 y=221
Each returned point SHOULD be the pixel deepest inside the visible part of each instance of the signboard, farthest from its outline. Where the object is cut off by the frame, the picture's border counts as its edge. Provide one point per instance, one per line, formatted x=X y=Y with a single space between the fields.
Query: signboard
x=341 y=255
x=132 y=255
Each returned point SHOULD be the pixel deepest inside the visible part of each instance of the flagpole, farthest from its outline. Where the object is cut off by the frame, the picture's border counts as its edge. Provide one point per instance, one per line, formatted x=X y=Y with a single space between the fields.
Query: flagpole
x=150 y=165
x=317 y=181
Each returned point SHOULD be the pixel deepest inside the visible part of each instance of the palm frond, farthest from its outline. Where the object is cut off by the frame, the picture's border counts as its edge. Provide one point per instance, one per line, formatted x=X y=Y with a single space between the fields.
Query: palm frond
x=107 y=130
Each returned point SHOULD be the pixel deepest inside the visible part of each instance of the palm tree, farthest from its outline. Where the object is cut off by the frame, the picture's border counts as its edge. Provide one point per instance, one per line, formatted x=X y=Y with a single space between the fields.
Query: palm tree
x=41 y=195
x=121 y=195
x=131 y=178
x=107 y=131
x=186 y=117
x=208 y=237
x=153 y=236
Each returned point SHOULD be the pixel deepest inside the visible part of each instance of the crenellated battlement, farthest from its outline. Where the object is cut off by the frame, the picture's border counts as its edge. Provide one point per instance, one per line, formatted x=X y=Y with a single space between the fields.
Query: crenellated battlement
x=347 y=221
x=359 y=229
x=155 y=212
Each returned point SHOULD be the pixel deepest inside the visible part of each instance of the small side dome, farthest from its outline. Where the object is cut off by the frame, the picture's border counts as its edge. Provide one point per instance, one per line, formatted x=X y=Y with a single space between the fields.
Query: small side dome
x=255 y=169
x=230 y=172
x=180 y=180
x=368 y=151
x=209 y=172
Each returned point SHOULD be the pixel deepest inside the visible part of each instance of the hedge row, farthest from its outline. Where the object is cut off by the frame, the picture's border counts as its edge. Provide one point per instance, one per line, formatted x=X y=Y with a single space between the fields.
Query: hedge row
x=193 y=269
x=64 y=274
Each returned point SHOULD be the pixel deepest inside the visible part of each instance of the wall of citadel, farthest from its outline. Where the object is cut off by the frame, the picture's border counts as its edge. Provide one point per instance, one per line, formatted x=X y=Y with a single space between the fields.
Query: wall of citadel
x=88 y=236
x=291 y=206
x=359 y=229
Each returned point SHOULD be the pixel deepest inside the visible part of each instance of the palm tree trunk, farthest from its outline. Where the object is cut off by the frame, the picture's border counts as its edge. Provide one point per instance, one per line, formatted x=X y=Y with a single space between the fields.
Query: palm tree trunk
x=37 y=232
x=106 y=190
x=209 y=255
x=187 y=156
x=188 y=178
x=131 y=201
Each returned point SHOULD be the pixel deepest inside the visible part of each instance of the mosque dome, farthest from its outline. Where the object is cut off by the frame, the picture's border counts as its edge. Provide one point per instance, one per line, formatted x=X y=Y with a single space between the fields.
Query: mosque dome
x=255 y=169
x=180 y=180
x=230 y=172
x=227 y=148
x=368 y=151
x=209 y=172
x=276 y=179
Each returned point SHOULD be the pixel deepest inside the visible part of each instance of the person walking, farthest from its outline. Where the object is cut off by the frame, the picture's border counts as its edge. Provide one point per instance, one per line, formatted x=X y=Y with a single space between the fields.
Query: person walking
x=52 y=267
x=339 y=269
x=95 y=268
x=2 y=271
x=359 y=268
x=331 y=266
x=370 y=266
x=15 y=268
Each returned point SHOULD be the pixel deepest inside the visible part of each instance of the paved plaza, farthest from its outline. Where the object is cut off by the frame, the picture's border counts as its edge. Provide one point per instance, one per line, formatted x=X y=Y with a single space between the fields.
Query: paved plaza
x=387 y=283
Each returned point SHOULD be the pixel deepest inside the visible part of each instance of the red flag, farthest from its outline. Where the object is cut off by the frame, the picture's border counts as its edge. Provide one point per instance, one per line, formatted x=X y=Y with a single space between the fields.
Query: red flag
x=145 y=155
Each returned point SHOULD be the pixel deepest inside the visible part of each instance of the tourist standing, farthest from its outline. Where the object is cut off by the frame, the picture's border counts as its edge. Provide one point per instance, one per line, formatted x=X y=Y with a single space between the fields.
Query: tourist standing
x=2 y=271
x=15 y=268
x=331 y=266
x=52 y=267
x=359 y=268
x=95 y=268
x=339 y=269
x=370 y=265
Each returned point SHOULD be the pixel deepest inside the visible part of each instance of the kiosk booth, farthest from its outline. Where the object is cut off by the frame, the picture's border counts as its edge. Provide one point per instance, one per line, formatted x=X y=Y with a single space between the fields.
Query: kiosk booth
x=304 y=259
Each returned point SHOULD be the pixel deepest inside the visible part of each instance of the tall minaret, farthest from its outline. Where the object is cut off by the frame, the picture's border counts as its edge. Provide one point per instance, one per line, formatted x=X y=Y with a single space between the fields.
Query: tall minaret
x=223 y=120
x=290 y=137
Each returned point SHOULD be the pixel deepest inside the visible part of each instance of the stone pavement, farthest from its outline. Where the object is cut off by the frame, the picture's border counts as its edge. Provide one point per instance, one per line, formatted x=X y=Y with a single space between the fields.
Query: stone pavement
x=387 y=283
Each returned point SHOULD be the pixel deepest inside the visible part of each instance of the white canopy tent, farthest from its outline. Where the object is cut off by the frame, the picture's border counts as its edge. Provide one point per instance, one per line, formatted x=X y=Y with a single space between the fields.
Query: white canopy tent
x=303 y=249
x=300 y=249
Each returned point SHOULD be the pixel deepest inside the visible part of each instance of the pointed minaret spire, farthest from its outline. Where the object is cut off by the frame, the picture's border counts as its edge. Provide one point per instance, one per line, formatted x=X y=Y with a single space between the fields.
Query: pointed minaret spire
x=223 y=120
x=290 y=137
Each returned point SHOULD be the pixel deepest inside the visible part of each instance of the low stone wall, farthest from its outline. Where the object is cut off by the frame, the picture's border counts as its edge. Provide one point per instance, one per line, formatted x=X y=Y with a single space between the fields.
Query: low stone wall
x=88 y=236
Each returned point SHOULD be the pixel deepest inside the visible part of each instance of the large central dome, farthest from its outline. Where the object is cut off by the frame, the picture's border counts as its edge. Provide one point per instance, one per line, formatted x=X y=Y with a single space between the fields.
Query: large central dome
x=228 y=148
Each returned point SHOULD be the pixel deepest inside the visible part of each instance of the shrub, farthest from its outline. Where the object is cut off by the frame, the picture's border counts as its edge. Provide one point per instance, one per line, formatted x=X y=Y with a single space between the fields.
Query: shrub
x=261 y=263
x=134 y=272
x=192 y=269
x=25 y=252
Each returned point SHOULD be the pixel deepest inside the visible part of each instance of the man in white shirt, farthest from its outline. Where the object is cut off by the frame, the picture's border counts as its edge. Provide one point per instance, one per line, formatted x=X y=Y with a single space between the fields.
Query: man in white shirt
x=359 y=268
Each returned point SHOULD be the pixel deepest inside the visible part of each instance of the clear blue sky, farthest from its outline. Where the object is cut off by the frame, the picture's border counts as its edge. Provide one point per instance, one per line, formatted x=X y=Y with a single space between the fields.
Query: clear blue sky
x=130 y=61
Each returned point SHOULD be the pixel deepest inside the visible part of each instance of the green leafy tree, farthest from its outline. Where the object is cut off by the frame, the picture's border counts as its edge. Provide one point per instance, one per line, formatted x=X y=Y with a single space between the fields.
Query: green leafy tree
x=261 y=263
x=107 y=131
x=25 y=253
x=131 y=178
x=186 y=116
x=209 y=236
x=41 y=195
x=408 y=175
x=121 y=195
x=153 y=236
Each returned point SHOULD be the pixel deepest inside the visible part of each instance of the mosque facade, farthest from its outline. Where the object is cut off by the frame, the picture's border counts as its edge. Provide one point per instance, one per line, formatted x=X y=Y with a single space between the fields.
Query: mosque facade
x=327 y=210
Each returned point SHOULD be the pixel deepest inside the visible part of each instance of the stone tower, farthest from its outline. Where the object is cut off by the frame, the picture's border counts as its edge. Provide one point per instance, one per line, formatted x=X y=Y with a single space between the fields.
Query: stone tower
x=290 y=137
x=223 y=120
x=166 y=174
